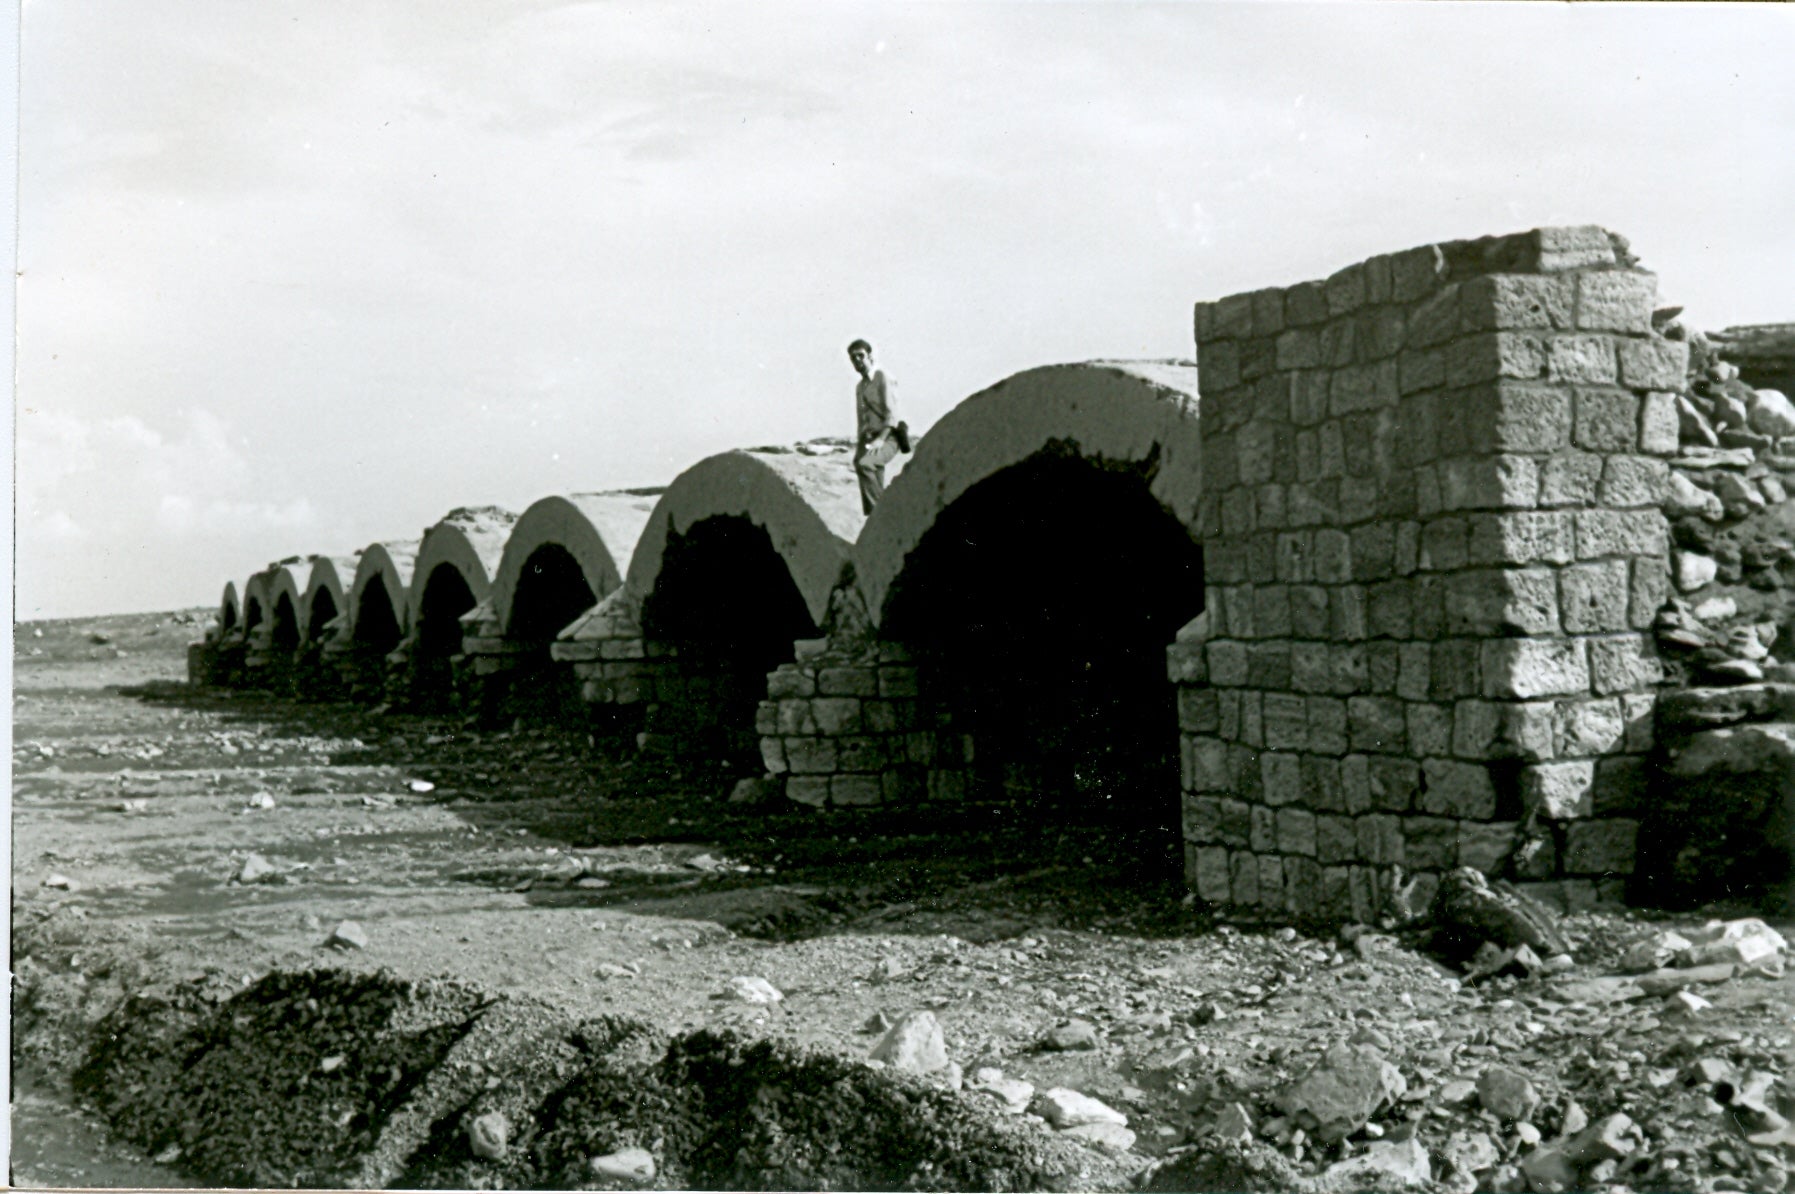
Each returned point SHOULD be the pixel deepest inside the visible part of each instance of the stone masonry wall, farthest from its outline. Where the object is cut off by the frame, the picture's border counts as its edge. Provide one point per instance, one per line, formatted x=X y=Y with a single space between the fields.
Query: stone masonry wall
x=842 y=725
x=1433 y=549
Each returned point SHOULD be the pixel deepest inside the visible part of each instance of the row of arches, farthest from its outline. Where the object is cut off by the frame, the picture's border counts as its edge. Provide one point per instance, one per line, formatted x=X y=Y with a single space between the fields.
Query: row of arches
x=1034 y=556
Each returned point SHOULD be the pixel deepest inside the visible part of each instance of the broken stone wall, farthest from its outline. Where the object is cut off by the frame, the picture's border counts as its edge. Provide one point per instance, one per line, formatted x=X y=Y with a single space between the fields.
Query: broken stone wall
x=1434 y=545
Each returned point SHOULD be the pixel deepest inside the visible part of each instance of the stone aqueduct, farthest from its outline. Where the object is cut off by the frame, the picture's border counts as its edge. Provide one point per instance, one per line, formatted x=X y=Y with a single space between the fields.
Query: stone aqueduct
x=1362 y=596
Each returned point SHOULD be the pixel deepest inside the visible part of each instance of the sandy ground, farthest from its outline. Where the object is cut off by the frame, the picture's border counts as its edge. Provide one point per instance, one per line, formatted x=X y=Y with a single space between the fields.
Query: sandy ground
x=526 y=864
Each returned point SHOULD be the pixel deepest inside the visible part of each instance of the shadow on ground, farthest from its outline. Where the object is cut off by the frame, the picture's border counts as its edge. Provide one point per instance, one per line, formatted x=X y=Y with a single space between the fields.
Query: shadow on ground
x=979 y=871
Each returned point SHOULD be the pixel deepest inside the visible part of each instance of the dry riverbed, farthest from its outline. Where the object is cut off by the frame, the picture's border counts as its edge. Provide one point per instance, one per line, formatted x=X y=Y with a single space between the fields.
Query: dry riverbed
x=269 y=943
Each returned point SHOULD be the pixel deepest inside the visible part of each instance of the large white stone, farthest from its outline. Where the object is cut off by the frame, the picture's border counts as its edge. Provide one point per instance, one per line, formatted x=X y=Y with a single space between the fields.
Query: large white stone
x=1772 y=413
x=1066 y=1108
x=1686 y=497
x=915 y=1043
x=1695 y=571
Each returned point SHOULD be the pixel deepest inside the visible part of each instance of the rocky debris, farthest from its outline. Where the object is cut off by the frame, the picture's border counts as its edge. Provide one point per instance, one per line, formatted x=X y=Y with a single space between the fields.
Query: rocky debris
x=1747 y=942
x=750 y=989
x=615 y=970
x=1110 y=1137
x=1383 y=1161
x=1072 y=1036
x=489 y=1136
x=261 y=801
x=875 y=1024
x=419 y=787
x=348 y=935
x=1663 y=982
x=915 y=1043
x=1468 y=910
x=1013 y=1093
x=256 y=869
x=1065 y=1108
x=1349 y=1085
x=59 y=881
x=1507 y=1094
x=634 y=1165
x=1234 y=1123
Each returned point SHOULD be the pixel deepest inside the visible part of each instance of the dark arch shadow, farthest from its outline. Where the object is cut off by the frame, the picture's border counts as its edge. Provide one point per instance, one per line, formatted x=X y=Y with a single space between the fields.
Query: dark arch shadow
x=726 y=601
x=1039 y=606
x=551 y=592
x=446 y=597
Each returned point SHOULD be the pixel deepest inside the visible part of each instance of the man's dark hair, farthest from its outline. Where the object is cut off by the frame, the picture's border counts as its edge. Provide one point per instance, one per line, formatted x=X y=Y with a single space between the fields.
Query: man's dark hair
x=860 y=344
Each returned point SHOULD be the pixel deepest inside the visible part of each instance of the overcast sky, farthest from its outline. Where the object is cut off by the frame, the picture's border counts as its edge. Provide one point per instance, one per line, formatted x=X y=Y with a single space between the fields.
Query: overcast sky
x=297 y=275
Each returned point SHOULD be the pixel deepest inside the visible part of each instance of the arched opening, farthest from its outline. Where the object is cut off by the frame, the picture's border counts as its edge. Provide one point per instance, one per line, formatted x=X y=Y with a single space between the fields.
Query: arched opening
x=252 y=614
x=1039 y=606
x=725 y=600
x=311 y=678
x=377 y=632
x=285 y=638
x=551 y=592
x=324 y=608
x=446 y=597
x=227 y=618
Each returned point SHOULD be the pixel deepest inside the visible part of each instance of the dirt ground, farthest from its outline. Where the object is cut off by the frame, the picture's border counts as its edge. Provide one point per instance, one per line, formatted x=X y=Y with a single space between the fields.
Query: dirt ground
x=525 y=872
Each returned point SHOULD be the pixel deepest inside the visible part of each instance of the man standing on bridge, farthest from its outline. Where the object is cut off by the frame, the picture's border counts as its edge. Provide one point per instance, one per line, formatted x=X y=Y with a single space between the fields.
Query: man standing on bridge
x=878 y=437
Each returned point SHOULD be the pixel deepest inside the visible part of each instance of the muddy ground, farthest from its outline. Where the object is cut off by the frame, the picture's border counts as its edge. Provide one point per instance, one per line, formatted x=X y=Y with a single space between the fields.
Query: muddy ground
x=544 y=934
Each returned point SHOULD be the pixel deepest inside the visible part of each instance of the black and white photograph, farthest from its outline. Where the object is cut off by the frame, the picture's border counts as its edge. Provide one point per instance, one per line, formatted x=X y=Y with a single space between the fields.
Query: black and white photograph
x=990 y=596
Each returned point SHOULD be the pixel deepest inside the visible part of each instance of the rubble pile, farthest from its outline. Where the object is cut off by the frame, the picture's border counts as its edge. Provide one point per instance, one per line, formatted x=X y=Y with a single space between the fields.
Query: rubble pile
x=1721 y=820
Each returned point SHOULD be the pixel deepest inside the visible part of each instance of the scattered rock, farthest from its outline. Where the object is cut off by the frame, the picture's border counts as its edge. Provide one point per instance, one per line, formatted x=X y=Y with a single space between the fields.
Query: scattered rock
x=915 y=1043
x=489 y=1135
x=1406 y=1161
x=1663 y=982
x=260 y=801
x=1686 y=497
x=1346 y=1088
x=1110 y=1137
x=1468 y=911
x=1509 y=1095
x=419 y=786
x=626 y=1164
x=348 y=935
x=1234 y=1123
x=1695 y=571
x=1745 y=942
x=888 y=969
x=1072 y=1036
x=614 y=970
x=331 y=1064
x=876 y=1023
x=256 y=869
x=1653 y=952
x=60 y=881
x=750 y=989
x=1457 y=1092
x=1470 y=1152
x=1066 y=1108
x=1771 y=413
x=1716 y=609
x=1013 y=1093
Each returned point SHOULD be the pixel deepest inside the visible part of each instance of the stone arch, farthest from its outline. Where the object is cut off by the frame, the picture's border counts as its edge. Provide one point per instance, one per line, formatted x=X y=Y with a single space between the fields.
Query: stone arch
x=229 y=610
x=255 y=602
x=597 y=532
x=325 y=596
x=1139 y=414
x=564 y=556
x=387 y=568
x=736 y=565
x=1045 y=560
x=286 y=592
x=453 y=573
x=805 y=498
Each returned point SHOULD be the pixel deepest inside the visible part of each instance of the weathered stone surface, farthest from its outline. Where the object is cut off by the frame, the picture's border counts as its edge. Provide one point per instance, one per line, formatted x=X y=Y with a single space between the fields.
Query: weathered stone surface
x=1066 y=1108
x=915 y=1043
x=1349 y=1085
x=1509 y=1095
